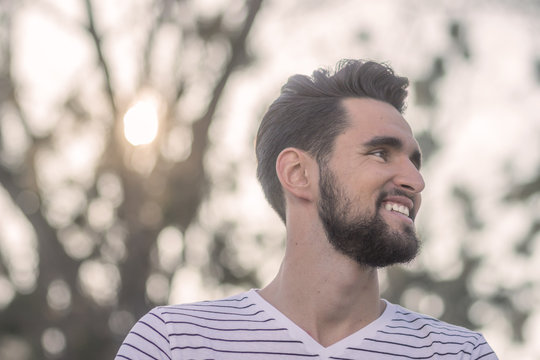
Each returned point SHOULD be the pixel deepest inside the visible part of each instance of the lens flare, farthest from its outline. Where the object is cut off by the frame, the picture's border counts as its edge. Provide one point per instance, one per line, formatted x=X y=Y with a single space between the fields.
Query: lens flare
x=141 y=123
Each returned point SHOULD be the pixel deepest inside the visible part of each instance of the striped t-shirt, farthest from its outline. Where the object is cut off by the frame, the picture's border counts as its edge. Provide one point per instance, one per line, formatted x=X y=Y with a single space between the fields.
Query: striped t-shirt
x=245 y=326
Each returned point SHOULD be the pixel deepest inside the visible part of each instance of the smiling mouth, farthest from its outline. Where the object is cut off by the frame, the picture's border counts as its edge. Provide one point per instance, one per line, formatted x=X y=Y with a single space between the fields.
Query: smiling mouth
x=402 y=209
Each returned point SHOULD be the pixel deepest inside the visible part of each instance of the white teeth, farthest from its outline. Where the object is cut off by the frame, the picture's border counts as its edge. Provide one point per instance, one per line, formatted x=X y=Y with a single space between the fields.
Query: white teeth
x=404 y=210
x=396 y=207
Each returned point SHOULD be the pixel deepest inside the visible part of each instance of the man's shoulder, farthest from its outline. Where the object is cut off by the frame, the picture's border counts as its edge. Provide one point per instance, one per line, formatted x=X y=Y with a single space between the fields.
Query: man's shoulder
x=205 y=309
x=406 y=319
x=191 y=326
x=418 y=332
x=226 y=301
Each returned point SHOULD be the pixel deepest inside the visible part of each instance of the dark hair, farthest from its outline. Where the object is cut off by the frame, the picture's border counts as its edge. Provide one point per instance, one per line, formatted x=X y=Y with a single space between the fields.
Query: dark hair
x=308 y=115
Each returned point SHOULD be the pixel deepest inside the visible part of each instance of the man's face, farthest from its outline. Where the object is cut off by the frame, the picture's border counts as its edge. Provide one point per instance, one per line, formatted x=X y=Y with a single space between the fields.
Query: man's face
x=370 y=186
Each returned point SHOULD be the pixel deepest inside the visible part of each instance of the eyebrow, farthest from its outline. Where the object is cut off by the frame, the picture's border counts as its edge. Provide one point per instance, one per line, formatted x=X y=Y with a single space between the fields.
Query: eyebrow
x=393 y=142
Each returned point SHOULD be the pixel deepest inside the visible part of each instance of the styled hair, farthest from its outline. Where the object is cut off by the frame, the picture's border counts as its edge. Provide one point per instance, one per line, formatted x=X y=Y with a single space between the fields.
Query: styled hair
x=309 y=115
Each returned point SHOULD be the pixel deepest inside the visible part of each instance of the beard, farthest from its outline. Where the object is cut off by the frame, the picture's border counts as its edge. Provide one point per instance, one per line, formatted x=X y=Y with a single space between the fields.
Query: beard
x=366 y=239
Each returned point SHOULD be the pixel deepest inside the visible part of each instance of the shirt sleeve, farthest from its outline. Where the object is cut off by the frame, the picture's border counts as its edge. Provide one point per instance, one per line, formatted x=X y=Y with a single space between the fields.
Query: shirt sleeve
x=148 y=339
x=483 y=351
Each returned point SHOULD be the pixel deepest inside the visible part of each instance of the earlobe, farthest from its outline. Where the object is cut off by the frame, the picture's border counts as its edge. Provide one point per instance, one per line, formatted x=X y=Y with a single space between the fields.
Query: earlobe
x=292 y=167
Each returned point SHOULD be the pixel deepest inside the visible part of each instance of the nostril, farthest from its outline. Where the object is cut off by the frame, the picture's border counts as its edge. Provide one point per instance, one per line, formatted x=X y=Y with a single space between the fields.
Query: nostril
x=408 y=187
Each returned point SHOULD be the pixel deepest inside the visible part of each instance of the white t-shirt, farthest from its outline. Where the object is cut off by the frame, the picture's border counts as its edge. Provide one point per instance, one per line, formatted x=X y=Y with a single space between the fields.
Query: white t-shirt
x=245 y=326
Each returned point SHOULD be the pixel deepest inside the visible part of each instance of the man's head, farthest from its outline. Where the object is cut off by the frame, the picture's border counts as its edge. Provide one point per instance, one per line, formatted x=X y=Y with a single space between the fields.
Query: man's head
x=309 y=115
x=370 y=185
x=350 y=124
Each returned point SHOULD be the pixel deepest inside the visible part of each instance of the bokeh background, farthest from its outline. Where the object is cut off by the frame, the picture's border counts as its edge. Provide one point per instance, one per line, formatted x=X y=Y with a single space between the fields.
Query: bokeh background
x=127 y=166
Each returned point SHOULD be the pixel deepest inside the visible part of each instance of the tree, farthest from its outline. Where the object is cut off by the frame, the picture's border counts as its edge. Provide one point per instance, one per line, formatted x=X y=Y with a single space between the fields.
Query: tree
x=105 y=222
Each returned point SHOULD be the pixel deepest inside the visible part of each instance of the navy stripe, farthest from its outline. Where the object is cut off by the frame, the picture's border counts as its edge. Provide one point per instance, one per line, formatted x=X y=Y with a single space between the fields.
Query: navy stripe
x=152 y=313
x=223 y=313
x=432 y=322
x=156 y=316
x=204 y=303
x=222 y=300
x=437 y=326
x=412 y=357
x=211 y=328
x=435 y=322
x=139 y=350
x=489 y=353
x=242 y=352
x=122 y=356
x=215 y=319
x=420 y=316
x=428 y=334
x=419 y=347
x=480 y=344
x=155 y=330
x=153 y=343
x=416 y=319
x=222 y=306
x=239 y=340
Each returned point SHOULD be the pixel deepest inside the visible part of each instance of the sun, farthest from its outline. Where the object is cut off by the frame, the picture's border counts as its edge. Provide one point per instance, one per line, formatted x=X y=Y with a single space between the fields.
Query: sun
x=141 y=122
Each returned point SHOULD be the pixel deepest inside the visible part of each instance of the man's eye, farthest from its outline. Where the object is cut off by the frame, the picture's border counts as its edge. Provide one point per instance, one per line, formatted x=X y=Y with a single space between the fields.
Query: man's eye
x=379 y=153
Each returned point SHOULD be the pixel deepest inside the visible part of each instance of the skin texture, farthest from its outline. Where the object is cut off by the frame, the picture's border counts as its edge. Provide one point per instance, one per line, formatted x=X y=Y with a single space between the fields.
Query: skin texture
x=324 y=290
x=372 y=155
x=362 y=236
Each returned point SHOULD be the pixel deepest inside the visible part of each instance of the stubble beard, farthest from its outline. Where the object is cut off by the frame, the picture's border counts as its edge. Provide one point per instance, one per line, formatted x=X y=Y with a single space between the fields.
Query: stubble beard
x=368 y=240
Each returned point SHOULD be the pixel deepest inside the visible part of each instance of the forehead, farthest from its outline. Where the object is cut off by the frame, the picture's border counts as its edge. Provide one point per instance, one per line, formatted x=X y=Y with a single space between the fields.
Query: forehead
x=370 y=118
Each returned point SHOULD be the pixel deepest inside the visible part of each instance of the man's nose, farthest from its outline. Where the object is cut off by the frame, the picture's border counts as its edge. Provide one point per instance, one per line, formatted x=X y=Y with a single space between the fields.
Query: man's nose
x=409 y=177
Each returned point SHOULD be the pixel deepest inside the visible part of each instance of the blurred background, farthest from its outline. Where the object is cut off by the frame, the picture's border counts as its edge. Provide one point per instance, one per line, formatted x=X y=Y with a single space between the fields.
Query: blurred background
x=127 y=170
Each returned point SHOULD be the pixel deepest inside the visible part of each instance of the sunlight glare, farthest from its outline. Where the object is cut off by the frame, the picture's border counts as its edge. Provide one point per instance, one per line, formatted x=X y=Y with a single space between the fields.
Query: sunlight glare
x=141 y=122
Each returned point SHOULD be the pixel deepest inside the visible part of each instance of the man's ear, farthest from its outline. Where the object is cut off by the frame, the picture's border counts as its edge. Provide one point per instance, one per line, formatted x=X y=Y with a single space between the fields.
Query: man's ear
x=295 y=170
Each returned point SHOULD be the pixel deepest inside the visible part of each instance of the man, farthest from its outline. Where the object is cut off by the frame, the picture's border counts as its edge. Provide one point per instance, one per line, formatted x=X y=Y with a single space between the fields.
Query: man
x=340 y=165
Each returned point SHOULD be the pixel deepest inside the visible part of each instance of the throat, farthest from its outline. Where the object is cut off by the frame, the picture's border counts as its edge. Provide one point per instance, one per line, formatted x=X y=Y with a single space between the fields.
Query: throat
x=333 y=330
x=331 y=308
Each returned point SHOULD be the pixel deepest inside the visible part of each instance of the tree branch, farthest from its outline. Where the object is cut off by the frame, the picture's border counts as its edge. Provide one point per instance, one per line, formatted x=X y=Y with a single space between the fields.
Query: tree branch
x=238 y=45
x=91 y=28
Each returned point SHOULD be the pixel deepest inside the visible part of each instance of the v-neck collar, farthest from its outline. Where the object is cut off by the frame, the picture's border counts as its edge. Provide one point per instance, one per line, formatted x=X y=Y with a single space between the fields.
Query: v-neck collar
x=311 y=344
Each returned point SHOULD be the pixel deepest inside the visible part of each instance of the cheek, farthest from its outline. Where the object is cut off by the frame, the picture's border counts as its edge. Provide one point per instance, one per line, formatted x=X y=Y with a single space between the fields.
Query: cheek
x=365 y=196
x=371 y=183
x=367 y=192
x=363 y=185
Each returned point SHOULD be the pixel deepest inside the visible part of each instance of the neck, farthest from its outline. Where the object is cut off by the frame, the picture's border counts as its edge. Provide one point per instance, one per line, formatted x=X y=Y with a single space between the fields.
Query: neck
x=324 y=292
